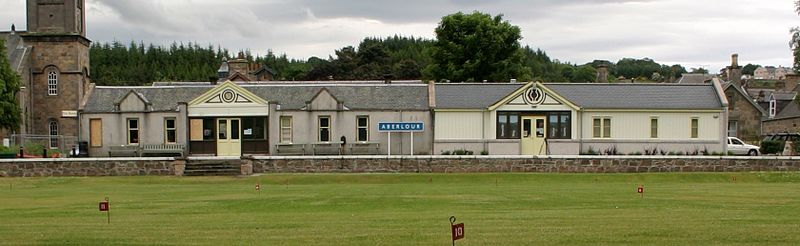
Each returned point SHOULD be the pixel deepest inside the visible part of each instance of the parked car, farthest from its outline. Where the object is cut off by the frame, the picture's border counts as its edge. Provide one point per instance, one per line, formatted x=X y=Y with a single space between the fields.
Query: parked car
x=783 y=137
x=738 y=147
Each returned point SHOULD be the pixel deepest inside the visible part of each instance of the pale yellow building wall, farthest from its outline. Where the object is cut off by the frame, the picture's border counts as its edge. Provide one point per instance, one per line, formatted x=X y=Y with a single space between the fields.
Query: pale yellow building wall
x=672 y=126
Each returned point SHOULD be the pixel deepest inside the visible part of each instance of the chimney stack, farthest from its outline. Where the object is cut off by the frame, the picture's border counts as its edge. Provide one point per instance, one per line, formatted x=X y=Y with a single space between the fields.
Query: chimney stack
x=602 y=74
x=734 y=71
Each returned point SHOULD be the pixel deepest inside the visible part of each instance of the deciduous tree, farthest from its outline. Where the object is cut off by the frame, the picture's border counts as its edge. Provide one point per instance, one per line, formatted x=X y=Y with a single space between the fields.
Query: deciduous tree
x=476 y=47
x=10 y=113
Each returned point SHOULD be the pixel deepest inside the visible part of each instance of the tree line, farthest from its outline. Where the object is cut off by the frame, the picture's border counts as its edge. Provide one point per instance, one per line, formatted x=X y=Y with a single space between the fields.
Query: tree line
x=472 y=47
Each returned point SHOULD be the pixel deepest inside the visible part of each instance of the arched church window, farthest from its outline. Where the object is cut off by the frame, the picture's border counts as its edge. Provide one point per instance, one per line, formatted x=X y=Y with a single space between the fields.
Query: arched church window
x=52 y=83
x=53 y=125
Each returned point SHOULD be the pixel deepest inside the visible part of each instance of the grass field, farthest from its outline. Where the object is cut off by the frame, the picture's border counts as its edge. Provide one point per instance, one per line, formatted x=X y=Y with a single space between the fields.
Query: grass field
x=406 y=209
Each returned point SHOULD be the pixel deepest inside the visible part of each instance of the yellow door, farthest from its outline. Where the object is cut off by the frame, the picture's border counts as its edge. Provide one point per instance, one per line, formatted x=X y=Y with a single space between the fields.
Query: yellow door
x=229 y=142
x=533 y=135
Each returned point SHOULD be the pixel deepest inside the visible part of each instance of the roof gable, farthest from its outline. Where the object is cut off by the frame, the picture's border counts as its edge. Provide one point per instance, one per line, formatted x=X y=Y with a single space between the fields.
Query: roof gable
x=324 y=100
x=228 y=92
x=133 y=101
x=745 y=96
x=533 y=94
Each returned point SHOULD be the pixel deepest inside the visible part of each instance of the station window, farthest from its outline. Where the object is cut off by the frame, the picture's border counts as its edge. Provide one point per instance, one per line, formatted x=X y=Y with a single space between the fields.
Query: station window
x=653 y=127
x=560 y=125
x=324 y=128
x=362 y=127
x=286 y=129
x=253 y=128
x=601 y=127
x=507 y=125
x=695 y=127
x=170 y=131
x=133 y=131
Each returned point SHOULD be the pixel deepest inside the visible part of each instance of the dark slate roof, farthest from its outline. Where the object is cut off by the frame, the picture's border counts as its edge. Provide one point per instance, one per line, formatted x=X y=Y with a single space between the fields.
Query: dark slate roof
x=639 y=96
x=694 y=78
x=289 y=96
x=16 y=49
x=472 y=96
x=102 y=99
x=356 y=97
x=791 y=110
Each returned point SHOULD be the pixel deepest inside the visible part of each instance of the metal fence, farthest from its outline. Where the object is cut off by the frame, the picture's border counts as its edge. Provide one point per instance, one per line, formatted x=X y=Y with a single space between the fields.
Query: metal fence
x=64 y=144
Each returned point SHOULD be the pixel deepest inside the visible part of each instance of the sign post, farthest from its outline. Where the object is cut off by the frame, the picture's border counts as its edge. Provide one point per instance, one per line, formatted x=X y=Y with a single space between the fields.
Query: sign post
x=410 y=127
x=456 y=229
x=104 y=207
x=258 y=188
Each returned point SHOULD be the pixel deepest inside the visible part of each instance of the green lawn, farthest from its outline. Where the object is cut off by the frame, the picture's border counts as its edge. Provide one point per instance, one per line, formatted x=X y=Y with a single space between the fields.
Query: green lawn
x=406 y=209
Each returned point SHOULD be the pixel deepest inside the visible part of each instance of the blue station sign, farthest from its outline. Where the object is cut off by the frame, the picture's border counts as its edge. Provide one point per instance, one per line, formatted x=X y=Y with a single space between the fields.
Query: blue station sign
x=401 y=126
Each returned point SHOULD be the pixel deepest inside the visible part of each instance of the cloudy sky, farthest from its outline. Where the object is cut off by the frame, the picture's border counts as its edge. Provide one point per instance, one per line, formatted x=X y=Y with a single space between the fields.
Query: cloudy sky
x=690 y=32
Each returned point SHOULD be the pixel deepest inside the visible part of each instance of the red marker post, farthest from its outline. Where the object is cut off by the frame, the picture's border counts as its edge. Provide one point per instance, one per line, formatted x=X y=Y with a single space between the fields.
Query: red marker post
x=258 y=188
x=456 y=229
x=104 y=207
x=641 y=190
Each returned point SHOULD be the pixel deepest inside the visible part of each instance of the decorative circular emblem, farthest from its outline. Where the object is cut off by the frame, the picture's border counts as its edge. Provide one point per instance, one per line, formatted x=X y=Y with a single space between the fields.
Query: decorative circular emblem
x=533 y=96
x=228 y=96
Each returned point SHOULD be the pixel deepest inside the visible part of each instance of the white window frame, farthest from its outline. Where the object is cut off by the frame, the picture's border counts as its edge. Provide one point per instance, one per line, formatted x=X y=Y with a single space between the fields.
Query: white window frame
x=137 y=129
x=286 y=128
x=735 y=132
x=359 y=127
x=320 y=128
x=772 y=108
x=601 y=127
x=167 y=129
x=654 y=127
x=52 y=83
x=694 y=132
x=52 y=127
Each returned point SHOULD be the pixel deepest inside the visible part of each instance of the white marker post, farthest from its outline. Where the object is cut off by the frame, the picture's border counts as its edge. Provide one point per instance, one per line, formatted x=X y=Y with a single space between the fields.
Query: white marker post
x=389 y=146
x=412 y=143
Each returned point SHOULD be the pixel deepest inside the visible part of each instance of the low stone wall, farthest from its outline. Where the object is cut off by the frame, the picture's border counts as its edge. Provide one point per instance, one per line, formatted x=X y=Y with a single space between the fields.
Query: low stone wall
x=398 y=164
x=88 y=167
x=563 y=164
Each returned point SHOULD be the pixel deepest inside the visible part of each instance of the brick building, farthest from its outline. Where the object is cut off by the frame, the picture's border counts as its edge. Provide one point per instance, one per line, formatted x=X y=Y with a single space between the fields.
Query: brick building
x=52 y=59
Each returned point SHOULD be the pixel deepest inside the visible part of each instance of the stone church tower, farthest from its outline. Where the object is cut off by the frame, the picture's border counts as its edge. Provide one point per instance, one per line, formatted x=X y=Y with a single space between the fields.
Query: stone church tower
x=58 y=66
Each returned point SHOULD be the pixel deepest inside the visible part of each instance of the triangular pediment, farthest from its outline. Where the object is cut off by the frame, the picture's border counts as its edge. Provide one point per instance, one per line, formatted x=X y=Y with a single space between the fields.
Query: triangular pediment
x=132 y=101
x=533 y=95
x=324 y=100
x=228 y=93
x=228 y=99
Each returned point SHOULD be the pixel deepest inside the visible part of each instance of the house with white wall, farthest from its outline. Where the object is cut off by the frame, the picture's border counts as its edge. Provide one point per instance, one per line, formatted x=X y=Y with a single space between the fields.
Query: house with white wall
x=574 y=118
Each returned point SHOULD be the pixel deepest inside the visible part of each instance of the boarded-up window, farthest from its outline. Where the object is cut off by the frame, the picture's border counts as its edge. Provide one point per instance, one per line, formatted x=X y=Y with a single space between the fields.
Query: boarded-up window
x=96 y=132
x=196 y=128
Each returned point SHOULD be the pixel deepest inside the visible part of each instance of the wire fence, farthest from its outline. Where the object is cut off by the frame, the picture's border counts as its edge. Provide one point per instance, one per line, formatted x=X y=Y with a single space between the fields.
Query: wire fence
x=35 y=144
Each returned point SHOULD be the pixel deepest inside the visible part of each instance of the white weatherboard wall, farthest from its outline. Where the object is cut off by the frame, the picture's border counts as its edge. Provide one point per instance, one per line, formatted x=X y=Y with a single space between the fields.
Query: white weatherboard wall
x=458 y=125
x=630 y=131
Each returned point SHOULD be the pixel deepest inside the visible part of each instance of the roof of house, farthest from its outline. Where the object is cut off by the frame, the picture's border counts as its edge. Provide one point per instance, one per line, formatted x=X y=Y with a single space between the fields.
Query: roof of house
x=791 y=110
x=289 y=96
x=740 y=90
x=639 y=96
x=693 y=78
x=587 y=95
x=472 y=95
x=16 y=50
